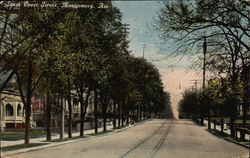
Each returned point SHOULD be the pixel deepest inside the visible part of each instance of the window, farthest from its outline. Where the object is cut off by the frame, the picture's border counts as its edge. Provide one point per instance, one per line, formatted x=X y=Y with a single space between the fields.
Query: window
x=23 y=111
x=75 y=104
x=9 y=110
x=19 y=110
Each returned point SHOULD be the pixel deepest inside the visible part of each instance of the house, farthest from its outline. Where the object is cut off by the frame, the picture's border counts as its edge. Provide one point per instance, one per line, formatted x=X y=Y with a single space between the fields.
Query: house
x=12 y=112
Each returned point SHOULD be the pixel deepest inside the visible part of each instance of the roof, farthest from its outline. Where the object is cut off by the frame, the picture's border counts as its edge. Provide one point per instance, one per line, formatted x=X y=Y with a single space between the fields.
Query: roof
x=10 y=93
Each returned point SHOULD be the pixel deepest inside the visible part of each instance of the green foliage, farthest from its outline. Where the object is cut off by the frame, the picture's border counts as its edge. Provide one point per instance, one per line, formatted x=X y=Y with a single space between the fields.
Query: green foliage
x=225 y=26
x=189 y=105
x=86 y=47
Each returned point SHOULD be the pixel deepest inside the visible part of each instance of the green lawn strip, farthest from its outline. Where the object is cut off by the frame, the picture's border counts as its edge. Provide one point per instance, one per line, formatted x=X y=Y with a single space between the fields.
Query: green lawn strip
x=245 y=143
x=228 y=119
x=21 y=146
x=8 y=136
x=78 y=137
x=120 y=127
x=100 y=133
x=65 y=139
x=218 y=133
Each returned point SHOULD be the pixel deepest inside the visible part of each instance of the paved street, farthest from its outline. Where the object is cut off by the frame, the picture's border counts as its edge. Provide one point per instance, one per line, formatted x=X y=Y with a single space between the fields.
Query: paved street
x=154 y=139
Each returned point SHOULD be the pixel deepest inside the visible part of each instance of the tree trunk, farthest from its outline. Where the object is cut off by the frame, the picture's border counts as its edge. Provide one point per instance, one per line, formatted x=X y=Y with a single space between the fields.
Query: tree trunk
x=119 y=115
x=114 y=116
x=81 y=113
x=215 y=124
x=122 y=114
x=144 y=113
x=84 y=111
x=95 y=111
x=222 y=125
x=83 y=121
x=70 y=110
x=233 y=116
x=202 y=119
x=127 y=118
x=48 y=113
x=244 y=123
x=104 y=121
x=62 y=119
x=137 y=113
x=232 y=128
x=28 y=104
x=105 y=104
x=27 y=126
x=140 y=112
x=27 y=121
x=209 y=120
x=104 y=112
x=246 y=103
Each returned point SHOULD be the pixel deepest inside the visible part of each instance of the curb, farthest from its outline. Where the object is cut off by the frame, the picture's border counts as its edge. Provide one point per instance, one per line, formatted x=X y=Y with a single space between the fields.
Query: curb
x=229 y=140
x=52 y=144
x=224 y=138
x=233 y=141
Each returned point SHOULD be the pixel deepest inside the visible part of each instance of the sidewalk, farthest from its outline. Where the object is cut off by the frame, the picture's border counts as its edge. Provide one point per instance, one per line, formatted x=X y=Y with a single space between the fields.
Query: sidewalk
x=57 y=136
x=226 y=130
x=45 y=144
x=228 y=138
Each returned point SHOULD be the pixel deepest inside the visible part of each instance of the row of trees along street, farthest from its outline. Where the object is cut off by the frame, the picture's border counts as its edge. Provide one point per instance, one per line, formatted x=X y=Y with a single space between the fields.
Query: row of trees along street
x=221 y=28
x=60 y=52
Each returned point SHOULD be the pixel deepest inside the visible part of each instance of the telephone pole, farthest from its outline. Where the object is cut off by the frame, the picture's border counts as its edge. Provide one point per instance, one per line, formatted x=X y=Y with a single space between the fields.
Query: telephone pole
x=126 y=28
x=143 y=48
x=204 y=62
x=204 y=78
x=196 y=81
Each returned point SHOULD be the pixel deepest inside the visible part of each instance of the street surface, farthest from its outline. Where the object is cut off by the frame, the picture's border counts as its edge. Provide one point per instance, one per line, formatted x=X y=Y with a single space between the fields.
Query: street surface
x=154 y=139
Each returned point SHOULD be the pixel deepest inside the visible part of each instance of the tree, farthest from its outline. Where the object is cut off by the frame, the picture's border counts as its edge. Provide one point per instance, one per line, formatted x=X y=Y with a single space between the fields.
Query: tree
x=189 y=105
x=166 y=109
x=27 y=58
x=7 y=45
x=188 y=22
x=225 y=25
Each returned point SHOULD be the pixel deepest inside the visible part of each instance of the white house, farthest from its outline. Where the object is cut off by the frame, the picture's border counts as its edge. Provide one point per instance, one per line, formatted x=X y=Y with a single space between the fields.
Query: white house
x=12 y=113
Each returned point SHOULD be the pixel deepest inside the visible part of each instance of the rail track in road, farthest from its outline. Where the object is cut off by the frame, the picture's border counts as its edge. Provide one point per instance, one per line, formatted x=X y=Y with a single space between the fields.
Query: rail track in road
x=148 y=147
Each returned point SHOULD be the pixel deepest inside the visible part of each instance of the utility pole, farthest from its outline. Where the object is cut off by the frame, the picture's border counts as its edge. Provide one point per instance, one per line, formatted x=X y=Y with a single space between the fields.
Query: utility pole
x=204 y=62
x=143 y=48
x=196 y=81
x=204 y=79
x=126 y=28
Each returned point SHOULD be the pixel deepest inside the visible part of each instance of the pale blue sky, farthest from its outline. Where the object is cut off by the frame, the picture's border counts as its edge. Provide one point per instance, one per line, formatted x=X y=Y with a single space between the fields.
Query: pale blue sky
x=140 y=15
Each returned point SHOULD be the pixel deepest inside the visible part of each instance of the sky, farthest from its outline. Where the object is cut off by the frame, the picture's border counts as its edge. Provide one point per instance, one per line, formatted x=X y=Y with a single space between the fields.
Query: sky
x=140 y=15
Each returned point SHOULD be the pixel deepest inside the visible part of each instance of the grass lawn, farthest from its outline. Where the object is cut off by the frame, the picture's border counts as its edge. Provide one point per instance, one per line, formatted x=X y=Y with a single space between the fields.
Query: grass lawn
x=100 y=133
x=228 y=119
x=218 y=133
x=9 y=136
x=21 y=146
x=65 y=139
